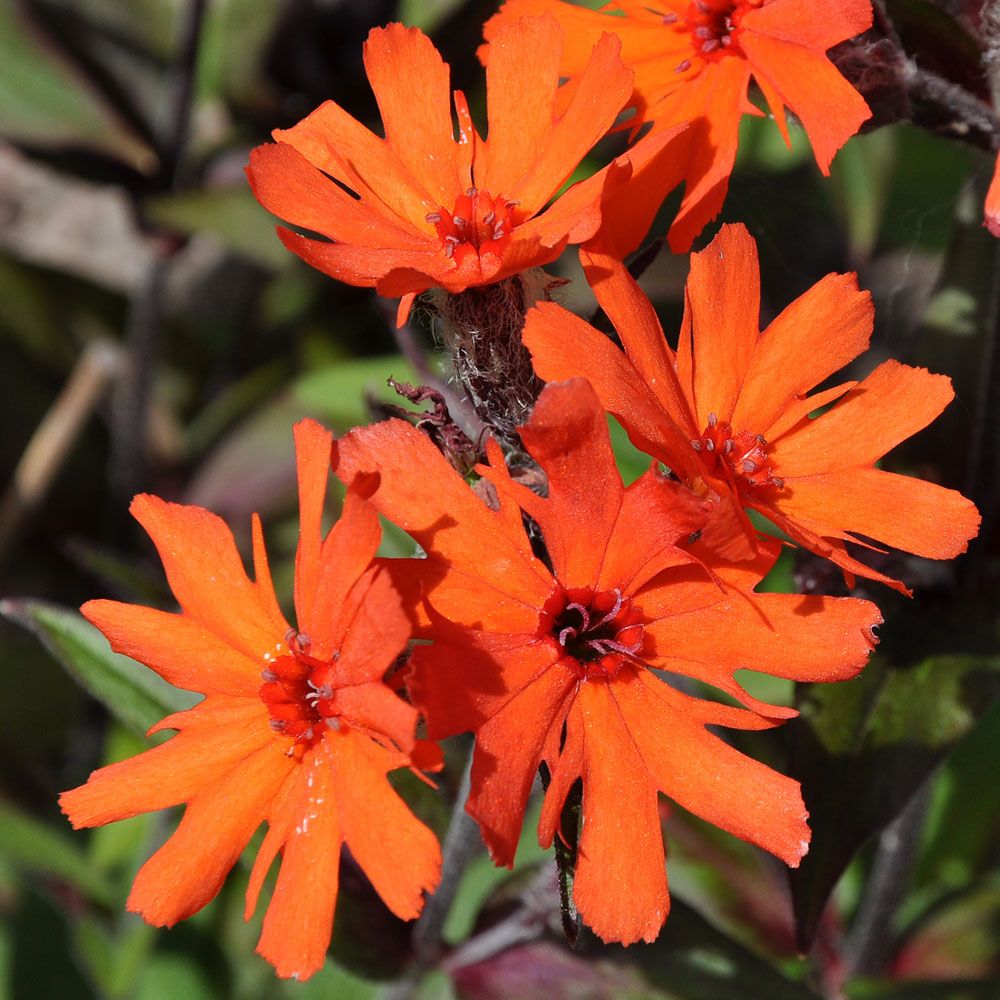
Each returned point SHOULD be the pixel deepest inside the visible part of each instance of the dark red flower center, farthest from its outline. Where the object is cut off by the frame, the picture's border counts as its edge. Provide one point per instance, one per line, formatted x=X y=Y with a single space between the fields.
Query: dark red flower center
x=600 y=631
x=298 y=692
x=743 y=456
x=714 y=26
x=478 y=224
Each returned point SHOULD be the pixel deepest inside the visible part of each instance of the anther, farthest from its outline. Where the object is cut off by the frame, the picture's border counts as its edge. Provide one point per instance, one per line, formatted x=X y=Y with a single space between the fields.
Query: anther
x=710 y=45
x=749 y=466
x=780 y=483
x=489 y=217
x=433 y=217
x=702 y=32
x=458 y=220
x=709 y=445
x=712 y=419
x=268 y=675
x=728 y=446
x=696 y=445
x=683 y=67
x=760 y=439
x=670 y=18
x=472 y=192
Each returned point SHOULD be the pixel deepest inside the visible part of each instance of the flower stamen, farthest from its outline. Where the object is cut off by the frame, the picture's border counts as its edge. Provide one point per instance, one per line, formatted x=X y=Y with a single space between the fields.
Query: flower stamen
x=599 y=632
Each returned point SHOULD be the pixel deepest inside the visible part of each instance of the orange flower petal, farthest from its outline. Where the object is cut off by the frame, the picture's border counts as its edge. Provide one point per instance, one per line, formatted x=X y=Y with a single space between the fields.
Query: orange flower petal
x=299 y=918
x=830 y=109
x=638 y=326
x=991 y=210
x=205 y=750
x=889 y=406
x=188 y=871
x=577 y=215
x=289 y=186
x=467 y=541
x=411 y=85
x=366 y=266
x=313 y=447
x=628 y=209
x=370 y=629
x=346 y=553
x=802 y=23
x=656 y=517
x=801 y=638
x=724 y=294
x=565 y=765
x=206 y=573
x=707 y=776
x=468 y=676
x=263 y=585
x=821 y=331
x=714 y=102
x=334 y=142
x=563 y=346
x=508 y=751
x=524 y=60
x=529 y=153
x=568 y=437
x=380 y=711
x=901 y=511
x=180 y=650
x=399 y=855
x=620 y=884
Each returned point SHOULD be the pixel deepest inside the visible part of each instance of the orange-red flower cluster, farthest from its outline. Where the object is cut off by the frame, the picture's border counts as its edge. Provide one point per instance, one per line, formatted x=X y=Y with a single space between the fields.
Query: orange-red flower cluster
x=693 y=62
x=576 y=626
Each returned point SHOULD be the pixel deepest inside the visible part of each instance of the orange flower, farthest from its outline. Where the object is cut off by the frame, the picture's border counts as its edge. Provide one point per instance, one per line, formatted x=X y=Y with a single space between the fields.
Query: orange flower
x=307 y=750
x=991 y=214
x=730 y=413
x=693 y=61
x=550 y=662
x=432 y=212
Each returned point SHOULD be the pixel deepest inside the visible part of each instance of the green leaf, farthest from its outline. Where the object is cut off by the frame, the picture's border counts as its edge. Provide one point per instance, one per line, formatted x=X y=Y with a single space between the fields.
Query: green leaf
x=426 y=14
x=331 y=981
x=43 y=965
x=32 y=845
x=906 y=989
x=130 y=691
x=337 y=392
x=694 y=960
x=863 y=747
x=963 y=828
x=234 y=46
x=861 y=174
x=231 y=215
x=482 y=878
x=631 y=462
x=43 y=101
x=174 y=974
